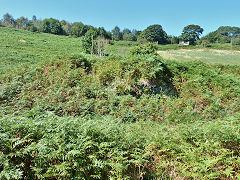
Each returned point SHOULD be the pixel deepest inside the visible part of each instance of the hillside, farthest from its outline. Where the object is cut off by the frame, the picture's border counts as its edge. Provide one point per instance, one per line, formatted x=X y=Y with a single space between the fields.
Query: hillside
x=65 y=114
x=20 y=46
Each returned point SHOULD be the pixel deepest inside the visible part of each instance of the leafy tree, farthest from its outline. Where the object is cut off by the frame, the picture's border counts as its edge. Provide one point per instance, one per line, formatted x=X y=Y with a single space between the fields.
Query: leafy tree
x=8 y=20
x=129 y=37
x=52 y=26
x=88 y=41
x=223 y=34
x=126 y=31
x=66 y=27
x=22 y=22
x=154 y=33
x=236 y=41
x=34 y=19
x=103 y=33
x=174 y=39
x=78 y=29
x=191 y=33
x=117 y=34
x=136 y=33
x=228 y=30
x=211 y=37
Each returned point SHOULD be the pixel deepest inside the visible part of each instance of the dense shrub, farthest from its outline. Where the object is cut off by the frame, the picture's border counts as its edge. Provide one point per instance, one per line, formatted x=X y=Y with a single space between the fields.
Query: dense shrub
x=236 y=41
x=142 y=49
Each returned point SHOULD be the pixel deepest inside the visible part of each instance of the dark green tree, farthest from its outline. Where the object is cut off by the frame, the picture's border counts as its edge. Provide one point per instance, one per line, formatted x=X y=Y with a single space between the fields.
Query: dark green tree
x=154 y=33
x=34 y=19
x=228 y=30
x=78 y=29
x=103 y=33
x=8 y=20
x=126 y=31
x=129 y=37
x=52 y=26
x=22 y=22
x=223 y=34
x=117 y=34
x=66 y=27
x=88 y=41
x=191 y=33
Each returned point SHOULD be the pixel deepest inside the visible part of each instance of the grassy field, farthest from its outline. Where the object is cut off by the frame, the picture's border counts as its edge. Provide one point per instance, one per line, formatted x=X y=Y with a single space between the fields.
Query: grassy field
x=69 y=115
x=21 y=47
x=214 y=56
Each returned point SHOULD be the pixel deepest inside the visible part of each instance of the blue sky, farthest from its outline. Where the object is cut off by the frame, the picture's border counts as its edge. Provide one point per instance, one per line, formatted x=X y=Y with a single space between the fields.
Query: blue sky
x=173 y=15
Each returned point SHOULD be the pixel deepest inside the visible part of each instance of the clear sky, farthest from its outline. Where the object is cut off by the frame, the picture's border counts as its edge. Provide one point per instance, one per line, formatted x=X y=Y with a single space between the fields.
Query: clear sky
x=173 y=15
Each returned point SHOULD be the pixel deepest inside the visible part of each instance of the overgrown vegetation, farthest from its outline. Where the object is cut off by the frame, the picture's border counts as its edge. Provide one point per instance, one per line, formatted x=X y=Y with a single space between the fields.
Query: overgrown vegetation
x=73 y=115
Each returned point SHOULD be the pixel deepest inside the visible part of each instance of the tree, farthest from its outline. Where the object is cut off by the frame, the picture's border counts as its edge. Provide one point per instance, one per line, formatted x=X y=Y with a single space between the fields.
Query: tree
x=173 y=39
x=8 y=20
x=136 y=34
x=117 y=34
x=52 y=26
x=126 y=31
x=223 y=34
x=22 y=22
x=191 y=33
x=103 y=33
x=88 y=41
x=78 y=29
x=66 y=27
x=34 y=19
x=129 y=37
x=228 y=30
x=154 y=33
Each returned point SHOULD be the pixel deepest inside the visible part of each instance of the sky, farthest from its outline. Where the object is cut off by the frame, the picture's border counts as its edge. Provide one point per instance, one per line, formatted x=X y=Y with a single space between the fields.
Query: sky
x=173 y=15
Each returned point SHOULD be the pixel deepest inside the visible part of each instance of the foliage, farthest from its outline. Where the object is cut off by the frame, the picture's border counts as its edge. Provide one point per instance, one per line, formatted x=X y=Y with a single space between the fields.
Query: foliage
x=8 y=20
x=52 y=26
x=68 y=115
x=94 y=44
x=88 y=41
x=103 y=33
x=78 y=29
x=222 y=35
x=142 y=49
x=191 y=33
x=205 y=43
x=117 y=34
x=155 y=33
x=236 y=41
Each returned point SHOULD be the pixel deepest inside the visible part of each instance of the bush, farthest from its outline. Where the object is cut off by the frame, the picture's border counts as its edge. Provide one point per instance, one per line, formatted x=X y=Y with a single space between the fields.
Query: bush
x=236 y=41
x=206 y=43
x=143 y=49
x=80 y=61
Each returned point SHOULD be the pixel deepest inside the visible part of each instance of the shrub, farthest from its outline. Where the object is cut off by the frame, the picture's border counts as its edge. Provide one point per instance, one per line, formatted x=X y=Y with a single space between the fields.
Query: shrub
x=143 y=49
x=236 y=41
x=80 y=61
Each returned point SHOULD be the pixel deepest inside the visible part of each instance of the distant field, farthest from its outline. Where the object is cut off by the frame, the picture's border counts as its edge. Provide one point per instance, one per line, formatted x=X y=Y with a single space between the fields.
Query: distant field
x=205 y=55
x=21 y=46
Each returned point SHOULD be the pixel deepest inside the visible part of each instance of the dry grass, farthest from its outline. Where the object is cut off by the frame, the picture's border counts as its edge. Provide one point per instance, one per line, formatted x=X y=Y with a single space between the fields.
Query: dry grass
x=205 y=55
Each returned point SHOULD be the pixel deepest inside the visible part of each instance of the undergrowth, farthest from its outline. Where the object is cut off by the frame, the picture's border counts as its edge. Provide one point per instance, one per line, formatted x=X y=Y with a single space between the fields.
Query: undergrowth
x=119 y=117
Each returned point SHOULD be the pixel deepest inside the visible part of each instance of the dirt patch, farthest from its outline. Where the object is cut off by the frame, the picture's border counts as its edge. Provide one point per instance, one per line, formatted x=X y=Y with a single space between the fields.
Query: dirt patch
x=22 y=40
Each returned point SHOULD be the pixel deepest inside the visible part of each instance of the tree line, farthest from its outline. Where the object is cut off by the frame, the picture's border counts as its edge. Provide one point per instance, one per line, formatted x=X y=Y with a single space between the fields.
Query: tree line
x=153 y=33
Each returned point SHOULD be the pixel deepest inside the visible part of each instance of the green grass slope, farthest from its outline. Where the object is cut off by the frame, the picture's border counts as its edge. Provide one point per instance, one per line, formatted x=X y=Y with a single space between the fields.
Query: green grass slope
x=68 y=115
x=21 y=46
